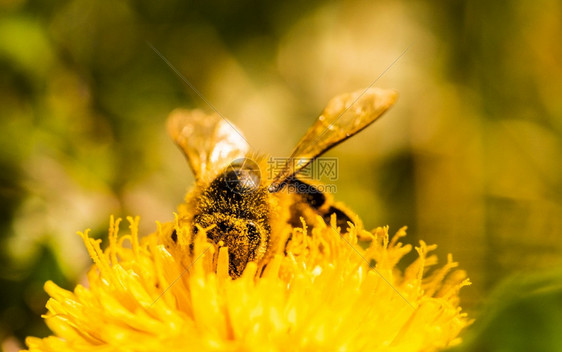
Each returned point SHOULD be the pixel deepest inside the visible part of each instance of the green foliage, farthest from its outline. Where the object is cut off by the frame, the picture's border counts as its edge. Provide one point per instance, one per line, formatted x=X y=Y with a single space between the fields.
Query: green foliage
x=523 y=314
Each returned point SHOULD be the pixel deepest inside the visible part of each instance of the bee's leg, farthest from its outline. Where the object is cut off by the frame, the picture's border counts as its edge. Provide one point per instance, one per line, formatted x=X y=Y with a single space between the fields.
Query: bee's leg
x=321 y=203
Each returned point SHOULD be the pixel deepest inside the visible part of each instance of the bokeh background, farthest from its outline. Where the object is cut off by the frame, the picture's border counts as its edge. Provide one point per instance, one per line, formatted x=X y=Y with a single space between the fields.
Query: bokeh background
x=469 y=158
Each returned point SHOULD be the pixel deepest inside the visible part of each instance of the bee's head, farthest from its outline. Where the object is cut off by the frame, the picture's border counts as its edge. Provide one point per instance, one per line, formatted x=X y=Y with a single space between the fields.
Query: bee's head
x=246 y=239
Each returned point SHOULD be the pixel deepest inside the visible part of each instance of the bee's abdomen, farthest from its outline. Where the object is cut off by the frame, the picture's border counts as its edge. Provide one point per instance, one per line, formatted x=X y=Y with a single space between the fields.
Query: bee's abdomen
x=313 y=201
x=342 y=218
x=311 y=195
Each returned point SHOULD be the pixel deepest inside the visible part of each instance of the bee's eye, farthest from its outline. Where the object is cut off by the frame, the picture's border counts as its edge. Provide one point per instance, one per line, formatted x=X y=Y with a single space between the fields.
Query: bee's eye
x=242 y=181
x=174 y=236
x=195 y=229
x=242 y=176
x=253 y=232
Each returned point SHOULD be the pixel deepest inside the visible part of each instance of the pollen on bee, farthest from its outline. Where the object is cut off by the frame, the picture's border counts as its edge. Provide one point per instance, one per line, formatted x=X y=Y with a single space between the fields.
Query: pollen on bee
x=221 y=243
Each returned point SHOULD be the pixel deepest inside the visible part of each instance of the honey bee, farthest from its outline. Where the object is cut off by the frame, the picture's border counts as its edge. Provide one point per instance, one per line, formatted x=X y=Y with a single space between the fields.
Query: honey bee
x=239 y=207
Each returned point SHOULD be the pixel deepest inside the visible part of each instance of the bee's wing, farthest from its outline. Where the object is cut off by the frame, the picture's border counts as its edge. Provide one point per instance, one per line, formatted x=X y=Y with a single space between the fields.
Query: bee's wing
x=344 y=116
x=208 y=141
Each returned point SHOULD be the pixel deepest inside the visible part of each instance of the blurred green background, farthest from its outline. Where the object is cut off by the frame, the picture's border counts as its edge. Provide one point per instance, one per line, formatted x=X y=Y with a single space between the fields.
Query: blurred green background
x=469 y=158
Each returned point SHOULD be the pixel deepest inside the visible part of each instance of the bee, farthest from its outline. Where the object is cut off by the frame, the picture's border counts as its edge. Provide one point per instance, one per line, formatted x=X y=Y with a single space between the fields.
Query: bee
x=239 y=207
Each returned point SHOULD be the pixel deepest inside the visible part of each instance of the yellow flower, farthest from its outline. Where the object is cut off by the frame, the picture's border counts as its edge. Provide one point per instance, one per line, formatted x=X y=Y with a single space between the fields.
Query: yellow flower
x=325 y=293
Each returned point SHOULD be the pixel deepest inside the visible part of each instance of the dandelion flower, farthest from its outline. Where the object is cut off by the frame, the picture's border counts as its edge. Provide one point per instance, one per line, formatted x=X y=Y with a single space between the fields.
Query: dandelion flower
x=326 y=291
